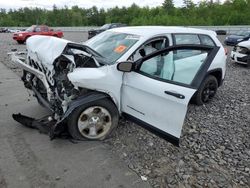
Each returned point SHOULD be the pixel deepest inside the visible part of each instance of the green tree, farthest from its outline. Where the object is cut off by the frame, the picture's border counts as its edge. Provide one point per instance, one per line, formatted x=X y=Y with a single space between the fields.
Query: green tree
x=168 y=5
x=207 y=12
x=188 y=4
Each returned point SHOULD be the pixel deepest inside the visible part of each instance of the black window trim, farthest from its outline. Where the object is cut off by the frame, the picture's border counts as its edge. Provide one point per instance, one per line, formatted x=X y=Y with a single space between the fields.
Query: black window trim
x=208 y=37
x=198 y=34
x=198 y=78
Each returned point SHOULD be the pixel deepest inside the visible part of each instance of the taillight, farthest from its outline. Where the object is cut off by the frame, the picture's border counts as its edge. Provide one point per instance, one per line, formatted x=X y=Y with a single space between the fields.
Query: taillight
x=225 y=49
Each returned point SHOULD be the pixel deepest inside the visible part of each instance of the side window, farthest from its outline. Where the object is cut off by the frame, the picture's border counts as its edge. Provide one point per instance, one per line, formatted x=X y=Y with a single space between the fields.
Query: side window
x=37 y=29
x=186 y=39
x=113 y=26
x=167 y=68
x=206 y=40
x=149 y=48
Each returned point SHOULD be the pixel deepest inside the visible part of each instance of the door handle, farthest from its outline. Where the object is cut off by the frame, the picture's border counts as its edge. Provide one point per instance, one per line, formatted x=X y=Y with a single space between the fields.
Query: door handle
x=177 y=95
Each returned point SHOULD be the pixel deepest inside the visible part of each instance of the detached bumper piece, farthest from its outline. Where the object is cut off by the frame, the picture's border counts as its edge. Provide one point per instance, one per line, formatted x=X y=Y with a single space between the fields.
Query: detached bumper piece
x=45 y=125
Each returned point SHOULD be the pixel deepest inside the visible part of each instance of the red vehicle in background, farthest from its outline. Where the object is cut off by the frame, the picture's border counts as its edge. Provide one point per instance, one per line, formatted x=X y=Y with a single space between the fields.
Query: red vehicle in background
x=21 y=37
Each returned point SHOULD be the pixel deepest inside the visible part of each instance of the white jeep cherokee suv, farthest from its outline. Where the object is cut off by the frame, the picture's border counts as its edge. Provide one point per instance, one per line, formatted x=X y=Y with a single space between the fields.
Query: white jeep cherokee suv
x=148 y=74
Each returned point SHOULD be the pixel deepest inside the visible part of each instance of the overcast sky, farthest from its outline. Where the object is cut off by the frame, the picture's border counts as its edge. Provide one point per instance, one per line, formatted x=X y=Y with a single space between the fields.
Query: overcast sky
x=47 y=4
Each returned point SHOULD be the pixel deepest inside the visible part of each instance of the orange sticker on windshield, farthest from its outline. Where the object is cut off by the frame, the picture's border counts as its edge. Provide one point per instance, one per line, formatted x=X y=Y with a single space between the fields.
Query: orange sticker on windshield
x=120 y=48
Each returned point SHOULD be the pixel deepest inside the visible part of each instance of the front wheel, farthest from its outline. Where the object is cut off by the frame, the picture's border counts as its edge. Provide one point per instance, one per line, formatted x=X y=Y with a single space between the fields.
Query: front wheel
x=94 y=120
x=206 y=91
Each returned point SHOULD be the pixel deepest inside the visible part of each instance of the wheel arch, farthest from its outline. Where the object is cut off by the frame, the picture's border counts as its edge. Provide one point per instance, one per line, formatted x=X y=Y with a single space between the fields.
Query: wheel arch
x=217 y=73
x=89 y=97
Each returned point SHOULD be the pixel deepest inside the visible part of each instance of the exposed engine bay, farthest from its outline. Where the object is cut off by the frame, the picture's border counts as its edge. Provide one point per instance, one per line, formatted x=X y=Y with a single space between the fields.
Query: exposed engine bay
x=47 y=75
x=59 y=91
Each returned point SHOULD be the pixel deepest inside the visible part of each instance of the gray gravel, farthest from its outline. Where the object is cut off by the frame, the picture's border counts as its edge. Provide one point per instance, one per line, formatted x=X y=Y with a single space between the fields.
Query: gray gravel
x=215 y=144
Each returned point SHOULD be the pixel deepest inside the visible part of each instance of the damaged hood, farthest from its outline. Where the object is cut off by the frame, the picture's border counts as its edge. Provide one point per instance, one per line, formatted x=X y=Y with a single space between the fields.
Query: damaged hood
x=245 y=44
x=46 y=48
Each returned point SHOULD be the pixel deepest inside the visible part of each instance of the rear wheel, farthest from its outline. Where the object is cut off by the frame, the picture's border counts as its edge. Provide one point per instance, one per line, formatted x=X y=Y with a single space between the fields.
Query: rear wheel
x=206 y=91
x=94 y=120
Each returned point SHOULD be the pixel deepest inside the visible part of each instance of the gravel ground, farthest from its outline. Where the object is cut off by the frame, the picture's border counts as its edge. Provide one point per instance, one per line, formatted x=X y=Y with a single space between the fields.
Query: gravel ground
x=215 y=144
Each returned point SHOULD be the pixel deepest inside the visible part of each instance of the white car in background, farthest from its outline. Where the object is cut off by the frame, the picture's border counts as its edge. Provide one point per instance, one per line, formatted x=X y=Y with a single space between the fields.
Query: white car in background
x=241 y=53
x=147 y=74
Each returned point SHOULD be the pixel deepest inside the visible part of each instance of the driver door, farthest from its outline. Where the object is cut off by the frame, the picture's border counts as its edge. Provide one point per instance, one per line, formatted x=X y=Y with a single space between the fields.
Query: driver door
x=156 y=94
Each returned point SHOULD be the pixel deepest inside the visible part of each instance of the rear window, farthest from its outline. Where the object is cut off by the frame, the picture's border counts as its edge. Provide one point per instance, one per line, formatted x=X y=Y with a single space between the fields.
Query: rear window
x=186 y=39
x=193 y=39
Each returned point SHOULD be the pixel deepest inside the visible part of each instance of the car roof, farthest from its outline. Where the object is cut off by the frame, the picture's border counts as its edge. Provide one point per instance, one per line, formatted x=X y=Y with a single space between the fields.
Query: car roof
x=147 y=31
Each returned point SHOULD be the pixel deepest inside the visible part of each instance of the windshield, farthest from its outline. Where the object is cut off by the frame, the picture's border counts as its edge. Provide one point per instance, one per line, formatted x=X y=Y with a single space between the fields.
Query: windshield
x=112 y=45
x=30 y=29
x=106 y=26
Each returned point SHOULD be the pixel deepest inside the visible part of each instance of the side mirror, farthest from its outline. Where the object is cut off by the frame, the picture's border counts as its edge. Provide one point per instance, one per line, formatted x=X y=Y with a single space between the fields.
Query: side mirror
x=126 y=66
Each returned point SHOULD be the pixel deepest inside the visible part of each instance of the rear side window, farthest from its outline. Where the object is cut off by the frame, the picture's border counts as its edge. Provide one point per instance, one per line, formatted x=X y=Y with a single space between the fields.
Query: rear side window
x=186 y=39
x=193 y=39
x=206 y=40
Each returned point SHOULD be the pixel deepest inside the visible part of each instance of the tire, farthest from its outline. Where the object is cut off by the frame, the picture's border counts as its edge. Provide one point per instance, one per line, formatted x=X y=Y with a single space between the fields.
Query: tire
x=20 y=42
x=94 y=120
x=206 y=91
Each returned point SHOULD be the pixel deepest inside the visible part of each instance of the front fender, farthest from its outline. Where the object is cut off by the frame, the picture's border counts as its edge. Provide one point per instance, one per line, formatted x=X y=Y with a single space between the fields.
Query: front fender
x=93 y=96
x=83 y=100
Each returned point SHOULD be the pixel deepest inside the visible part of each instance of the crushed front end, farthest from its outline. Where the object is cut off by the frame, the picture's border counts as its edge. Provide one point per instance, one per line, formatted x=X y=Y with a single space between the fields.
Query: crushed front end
x=46 y=64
